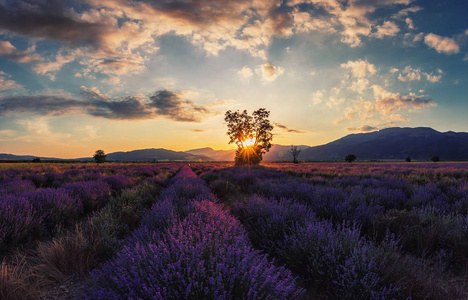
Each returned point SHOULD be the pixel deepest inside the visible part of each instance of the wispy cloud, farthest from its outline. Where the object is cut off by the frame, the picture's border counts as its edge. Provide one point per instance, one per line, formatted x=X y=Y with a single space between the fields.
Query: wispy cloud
x=6 y=83
x=363 y=128
x=287 y=129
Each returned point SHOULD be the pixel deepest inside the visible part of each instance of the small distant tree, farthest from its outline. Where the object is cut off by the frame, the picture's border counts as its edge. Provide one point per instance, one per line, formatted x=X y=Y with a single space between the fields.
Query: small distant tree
x=408 y=159
x=435 y=158
x=350 y=158
x=295 y=153
x=99 y=156
x=36 y=160
x=251 y=134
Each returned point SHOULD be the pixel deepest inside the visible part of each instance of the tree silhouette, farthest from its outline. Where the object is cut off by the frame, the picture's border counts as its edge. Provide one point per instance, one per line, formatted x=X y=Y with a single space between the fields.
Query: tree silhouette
x=408 y=159
x=435 y=158
x=99 y=156
x=295 y=153
x=350 y=158
x=251 y=134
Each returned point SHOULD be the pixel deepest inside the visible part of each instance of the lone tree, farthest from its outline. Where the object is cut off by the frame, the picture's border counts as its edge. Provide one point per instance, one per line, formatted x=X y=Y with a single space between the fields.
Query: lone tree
x=295 y=153
x=99 y=156
x=350 y=157
x=251 y=134
x=408 y=159
x=435 y=158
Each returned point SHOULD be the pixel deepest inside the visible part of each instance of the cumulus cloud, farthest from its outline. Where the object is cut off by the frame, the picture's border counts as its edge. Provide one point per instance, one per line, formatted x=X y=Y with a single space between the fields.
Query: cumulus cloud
x=317 y=97
x=359 y=68
x=363 y=128
x=409 y=23
x=387 y=29
x=139 y=107
x=245 y=73
x=287 y=129
x=410 y=74
x=442 y=44
x=268 y=71
x=432 y=78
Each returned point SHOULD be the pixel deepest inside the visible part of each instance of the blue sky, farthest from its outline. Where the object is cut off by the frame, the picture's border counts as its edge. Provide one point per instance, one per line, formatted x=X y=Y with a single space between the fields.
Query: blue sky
x=118 y=75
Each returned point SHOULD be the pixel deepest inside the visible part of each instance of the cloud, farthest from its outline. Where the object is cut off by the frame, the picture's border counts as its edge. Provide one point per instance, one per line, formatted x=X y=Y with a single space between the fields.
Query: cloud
x=359 y=86
x=416 y=74
x=8 y=84
x=363 y=128
x=41 y=105
x=268 y=71
x=139 y=107
x=409 y=23
x=359 y=68
x=411 y=74
x=398 y=118
x=10 y=52
x=245 y=73
x=114 y=37
x=317 y=97
x=172 y=106
x=442 y=44
x=127 y=108
x=404 y=12
x=93 y=93
x=287 y=129
x=388 y=102
x=48 y=20
x=7 y=133
x=387 y=29
x=198 y=130
x=432 y=78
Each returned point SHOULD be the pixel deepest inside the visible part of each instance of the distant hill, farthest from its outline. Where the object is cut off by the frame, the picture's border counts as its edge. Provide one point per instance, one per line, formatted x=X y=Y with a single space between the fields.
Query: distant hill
x=217 y=155
x=387 y=144
x=155 y=155
x=394 y=144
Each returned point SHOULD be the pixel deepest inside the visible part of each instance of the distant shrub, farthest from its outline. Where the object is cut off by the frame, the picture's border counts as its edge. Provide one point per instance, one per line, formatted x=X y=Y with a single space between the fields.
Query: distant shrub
x=350 y=158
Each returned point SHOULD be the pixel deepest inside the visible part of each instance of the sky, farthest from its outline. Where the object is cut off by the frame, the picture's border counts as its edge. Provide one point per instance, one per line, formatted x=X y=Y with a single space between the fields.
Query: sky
x=120 y=75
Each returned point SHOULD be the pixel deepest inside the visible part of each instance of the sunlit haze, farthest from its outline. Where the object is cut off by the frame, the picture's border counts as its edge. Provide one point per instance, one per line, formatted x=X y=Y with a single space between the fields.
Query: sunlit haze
x=119 y=75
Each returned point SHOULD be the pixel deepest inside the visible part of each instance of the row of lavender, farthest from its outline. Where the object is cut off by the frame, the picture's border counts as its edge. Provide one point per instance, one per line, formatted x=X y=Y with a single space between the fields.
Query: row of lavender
x=35 y=200
x=348 y=235
x=188 y=247
x=74 y=250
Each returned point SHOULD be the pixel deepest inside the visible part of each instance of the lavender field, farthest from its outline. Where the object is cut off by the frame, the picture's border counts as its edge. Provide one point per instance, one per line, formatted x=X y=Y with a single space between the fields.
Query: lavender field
x=215 y=231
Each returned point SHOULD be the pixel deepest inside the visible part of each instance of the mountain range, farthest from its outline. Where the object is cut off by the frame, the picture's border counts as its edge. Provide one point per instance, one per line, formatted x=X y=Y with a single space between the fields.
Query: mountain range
x=396 y=143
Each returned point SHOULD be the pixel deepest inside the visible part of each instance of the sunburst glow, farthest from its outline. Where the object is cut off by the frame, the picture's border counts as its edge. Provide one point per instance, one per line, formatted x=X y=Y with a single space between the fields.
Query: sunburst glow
x=249 y=142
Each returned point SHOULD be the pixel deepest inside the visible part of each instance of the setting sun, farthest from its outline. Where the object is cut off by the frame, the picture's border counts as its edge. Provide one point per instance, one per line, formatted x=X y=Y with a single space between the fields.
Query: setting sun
x=249 y=142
